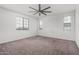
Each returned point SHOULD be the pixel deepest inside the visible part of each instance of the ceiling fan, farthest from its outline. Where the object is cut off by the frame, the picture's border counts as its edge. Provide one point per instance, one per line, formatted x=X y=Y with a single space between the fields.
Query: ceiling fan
x=40 y=11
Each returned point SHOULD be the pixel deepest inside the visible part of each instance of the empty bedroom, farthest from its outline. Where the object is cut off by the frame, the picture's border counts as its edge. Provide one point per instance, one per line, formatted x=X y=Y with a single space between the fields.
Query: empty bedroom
x=39 y=29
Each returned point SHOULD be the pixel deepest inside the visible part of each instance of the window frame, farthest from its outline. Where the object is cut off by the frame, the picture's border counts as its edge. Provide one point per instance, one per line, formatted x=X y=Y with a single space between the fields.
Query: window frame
x=23 y=27
x=67 y=24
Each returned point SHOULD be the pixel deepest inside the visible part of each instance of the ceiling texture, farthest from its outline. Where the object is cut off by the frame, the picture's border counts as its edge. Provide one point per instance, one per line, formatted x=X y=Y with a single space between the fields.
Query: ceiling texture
x=24 y=8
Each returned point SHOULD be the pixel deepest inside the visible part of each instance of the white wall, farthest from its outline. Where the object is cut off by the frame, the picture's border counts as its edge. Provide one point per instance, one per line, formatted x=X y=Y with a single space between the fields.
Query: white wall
x=8 y=30
x=77 y=25
x=53 y=26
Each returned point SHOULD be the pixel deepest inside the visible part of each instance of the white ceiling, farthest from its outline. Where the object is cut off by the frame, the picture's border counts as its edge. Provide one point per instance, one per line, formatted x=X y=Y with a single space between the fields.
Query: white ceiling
x=24 y=8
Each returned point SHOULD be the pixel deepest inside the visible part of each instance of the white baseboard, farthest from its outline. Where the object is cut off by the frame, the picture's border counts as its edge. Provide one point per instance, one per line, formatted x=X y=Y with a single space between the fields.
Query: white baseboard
x=55 y=36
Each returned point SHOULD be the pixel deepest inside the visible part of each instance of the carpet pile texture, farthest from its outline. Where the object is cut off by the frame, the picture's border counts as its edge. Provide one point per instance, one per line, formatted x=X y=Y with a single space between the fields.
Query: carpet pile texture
x=39 y=45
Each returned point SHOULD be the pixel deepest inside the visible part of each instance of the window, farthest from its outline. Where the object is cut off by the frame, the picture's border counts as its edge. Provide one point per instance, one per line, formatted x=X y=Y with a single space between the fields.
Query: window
x=41 y=23
x=67 y=23
x=22 y=23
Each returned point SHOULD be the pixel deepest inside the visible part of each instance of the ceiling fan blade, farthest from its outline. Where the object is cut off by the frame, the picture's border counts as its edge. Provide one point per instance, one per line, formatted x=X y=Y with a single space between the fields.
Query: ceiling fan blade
x=47 y=11
x=33 y=8
x=43 y=13
x=46 y=8
x=35 y=13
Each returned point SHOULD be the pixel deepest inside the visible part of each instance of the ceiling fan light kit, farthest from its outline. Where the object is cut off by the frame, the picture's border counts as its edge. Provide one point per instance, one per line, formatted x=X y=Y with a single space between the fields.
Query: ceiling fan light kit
x=40 y=11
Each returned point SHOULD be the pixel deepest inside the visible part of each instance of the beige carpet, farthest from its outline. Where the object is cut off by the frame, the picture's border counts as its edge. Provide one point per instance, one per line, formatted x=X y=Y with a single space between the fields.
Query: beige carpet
x=39 y=45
